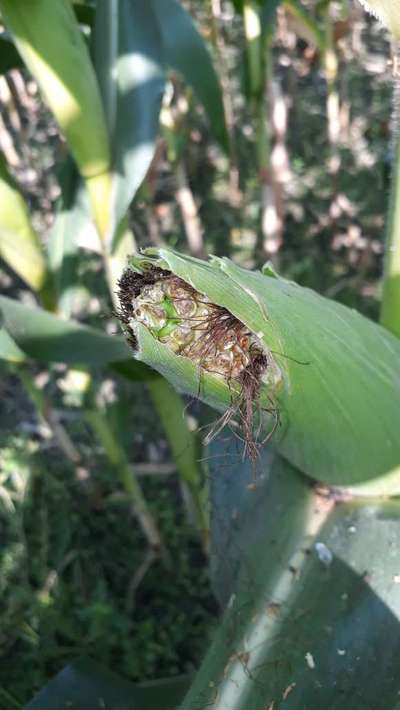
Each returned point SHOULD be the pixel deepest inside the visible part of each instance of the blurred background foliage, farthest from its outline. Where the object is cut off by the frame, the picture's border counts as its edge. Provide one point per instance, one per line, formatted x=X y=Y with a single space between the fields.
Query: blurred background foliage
x=298 y=173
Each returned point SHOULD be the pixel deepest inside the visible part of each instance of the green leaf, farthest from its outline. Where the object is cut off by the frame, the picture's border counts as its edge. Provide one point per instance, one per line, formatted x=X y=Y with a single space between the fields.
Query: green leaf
x=186 y=53
x=62 y=242
x=314 y=618
x=19 y=245
x=339 y=390
x=268 y=13
x=8 y=349
x=48 y=37
x=47 y=338
x=171 y=412
x=85 y=685
x=305 y=25
x=10 y=58
x=130 y=69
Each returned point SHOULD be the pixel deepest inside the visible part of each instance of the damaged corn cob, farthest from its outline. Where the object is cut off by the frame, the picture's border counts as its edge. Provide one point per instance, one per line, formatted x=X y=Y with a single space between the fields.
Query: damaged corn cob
x=205 y=334
x=189 y=323
x=252 y=345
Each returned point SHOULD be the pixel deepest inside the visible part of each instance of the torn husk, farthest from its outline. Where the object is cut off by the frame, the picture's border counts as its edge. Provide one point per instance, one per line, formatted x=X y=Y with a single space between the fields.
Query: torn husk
x=174 y=327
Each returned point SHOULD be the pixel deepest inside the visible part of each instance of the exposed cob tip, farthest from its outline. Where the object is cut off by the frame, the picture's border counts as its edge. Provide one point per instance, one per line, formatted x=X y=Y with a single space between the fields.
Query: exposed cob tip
x=212 y=338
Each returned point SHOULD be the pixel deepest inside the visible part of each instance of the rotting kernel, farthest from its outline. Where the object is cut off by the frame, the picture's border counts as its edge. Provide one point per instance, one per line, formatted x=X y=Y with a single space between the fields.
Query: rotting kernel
x=186 y=322
x=190 y=325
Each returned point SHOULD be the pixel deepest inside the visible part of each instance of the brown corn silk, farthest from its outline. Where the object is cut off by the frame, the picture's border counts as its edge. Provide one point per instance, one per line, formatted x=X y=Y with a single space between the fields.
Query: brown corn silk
x=190 y=325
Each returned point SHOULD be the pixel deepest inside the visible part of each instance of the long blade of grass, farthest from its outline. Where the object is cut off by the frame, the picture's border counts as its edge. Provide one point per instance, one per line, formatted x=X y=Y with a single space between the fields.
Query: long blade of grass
x=19 y=244
x=171 y=411
x=48 y=37
x=48 y=338
x=130 y=68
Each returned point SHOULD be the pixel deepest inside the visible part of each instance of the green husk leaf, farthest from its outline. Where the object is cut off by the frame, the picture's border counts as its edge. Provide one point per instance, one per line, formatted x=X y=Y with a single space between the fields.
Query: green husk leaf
x=47 y=338
x=340 y=376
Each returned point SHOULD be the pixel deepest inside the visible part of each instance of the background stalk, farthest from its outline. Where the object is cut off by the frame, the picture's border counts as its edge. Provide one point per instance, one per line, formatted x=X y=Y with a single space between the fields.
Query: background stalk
x=390 y=307
x=217 y=39
x=253 y=35
x=118 y=459
x=47 y=413
x=330 y=65
x=171 y=411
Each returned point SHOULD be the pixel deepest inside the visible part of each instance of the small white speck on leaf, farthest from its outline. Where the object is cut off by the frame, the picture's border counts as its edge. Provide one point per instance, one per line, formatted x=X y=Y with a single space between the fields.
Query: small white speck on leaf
x=324 y=554
x=352 y=529
x=231 y=601
x=396 y=578
x=341 y=652
x=288 y=690
x=310 y=661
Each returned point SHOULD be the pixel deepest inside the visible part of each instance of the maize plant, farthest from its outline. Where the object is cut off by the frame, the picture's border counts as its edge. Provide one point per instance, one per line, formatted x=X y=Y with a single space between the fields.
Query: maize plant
x=315 y=378
x=305 y=525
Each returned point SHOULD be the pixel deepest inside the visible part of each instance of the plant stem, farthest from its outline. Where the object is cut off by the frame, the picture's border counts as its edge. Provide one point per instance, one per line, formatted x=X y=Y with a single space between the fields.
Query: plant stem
x=390 y=308
x=190 y=216
x=170 y=409
x=253 y=34
x=260 y=67
x=270 y=132
x=48 y=415
x=215 y=15
x=119 y=461
x=330 y=65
